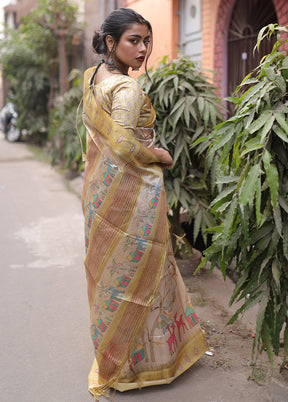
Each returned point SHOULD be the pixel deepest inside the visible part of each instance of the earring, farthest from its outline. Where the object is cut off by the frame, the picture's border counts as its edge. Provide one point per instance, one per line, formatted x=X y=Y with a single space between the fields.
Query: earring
x=110 y=63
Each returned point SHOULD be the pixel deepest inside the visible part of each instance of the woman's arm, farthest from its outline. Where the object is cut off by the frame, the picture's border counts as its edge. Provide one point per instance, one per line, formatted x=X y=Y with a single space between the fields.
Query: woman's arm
x=128 y=99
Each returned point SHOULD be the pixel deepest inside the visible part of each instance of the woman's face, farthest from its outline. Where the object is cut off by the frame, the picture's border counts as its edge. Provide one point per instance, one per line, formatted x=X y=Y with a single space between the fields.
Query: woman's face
x=132 y=47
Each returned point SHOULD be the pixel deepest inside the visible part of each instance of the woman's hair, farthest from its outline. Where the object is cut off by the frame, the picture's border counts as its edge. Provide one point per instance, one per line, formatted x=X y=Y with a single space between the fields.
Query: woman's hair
x=118 y=22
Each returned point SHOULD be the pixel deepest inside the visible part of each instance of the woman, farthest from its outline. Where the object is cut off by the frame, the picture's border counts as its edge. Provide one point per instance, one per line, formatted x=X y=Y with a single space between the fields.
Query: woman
x=143 y=326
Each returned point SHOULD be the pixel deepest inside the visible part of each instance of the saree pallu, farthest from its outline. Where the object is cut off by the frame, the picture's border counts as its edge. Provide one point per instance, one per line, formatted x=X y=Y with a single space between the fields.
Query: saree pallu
x=143 y=325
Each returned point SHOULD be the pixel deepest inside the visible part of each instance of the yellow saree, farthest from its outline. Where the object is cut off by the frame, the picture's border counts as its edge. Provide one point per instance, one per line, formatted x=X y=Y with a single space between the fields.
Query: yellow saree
x=143 y=325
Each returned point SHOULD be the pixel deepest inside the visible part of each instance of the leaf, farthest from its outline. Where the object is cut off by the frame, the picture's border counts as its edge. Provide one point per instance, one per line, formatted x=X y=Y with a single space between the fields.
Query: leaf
x=272 y=177
x=165 y=80
x=197 y=223
x=281 y=83
x=250 y=118
x=281 y=121
x=193 y=113
x=251 y=302
x=251 y=148
x=222 y=196
x=249 y=187
x=285 y=241
x=251 y=92
x=178 y=148
x=213 y=114
x=206 y=114
x=260 y=122
x=260 y=37
x=175 y=82
x=270 y=73
x=187 y=115
x=177 y=187
x=239 y=287
x=264 y=265
x=262 y=232
x=258 y=201
x=227 y=179
x=278 y=220
x=273 y=244
x=200 y=102
x=177 y=105
x=221 y=208
x=244 y=221
x=221 y=140
x=261 y=313
x=276 y=273
x=281 y=134
x=266 y=129
x=177 y=115
x=283 y=203
x=267 y=342
x=228 y=221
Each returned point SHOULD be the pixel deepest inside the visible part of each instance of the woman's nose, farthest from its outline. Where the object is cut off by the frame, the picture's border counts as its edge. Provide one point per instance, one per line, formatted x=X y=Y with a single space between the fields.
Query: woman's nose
x=143 y=47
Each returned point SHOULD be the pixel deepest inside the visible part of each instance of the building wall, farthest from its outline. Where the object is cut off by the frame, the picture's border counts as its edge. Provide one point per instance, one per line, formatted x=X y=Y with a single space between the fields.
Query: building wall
x=209 y=12
x=93 y=22
x=24 y=7
x=162 y=14
x=282 y=11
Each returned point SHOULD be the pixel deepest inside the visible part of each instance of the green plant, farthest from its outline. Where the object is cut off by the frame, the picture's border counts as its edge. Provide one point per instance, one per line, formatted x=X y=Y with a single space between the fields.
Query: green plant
x=62 y=130
x=186 y=108
x=34 y=59
x=28 y=81
x=52 y=29
x=252 y=206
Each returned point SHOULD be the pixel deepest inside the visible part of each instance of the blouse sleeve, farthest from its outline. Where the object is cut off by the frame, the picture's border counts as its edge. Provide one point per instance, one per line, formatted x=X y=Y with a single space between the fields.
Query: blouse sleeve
x=127 y=101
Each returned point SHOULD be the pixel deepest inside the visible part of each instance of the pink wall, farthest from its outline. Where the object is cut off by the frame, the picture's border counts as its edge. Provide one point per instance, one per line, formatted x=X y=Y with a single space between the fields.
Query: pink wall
x=164 y=20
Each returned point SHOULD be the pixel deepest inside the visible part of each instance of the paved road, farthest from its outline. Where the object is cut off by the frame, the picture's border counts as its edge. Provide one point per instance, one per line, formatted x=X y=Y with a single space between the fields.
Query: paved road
x=45 y=351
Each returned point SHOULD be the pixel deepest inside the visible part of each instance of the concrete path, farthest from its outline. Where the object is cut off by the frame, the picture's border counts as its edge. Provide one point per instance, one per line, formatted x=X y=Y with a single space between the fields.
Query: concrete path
x=46 y=351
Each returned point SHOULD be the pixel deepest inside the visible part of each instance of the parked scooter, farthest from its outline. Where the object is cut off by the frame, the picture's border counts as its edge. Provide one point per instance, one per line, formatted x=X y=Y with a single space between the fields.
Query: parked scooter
x=8 y=120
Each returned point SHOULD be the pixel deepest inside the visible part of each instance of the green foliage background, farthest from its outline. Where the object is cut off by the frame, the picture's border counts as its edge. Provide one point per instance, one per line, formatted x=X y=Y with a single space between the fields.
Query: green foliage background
x=30 y=60
x=28 y=80
x=65 y=126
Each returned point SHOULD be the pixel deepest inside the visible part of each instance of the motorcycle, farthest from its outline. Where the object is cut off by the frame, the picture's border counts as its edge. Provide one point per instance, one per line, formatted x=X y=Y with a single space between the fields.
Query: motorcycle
x=8 y=122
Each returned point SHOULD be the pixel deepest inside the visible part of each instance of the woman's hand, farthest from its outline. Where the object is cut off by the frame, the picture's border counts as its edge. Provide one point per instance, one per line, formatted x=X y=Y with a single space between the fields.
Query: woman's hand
x=165 y=158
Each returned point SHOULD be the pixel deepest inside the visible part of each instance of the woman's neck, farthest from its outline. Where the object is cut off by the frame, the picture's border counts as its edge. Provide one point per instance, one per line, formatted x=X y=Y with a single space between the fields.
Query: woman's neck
x=113 y=67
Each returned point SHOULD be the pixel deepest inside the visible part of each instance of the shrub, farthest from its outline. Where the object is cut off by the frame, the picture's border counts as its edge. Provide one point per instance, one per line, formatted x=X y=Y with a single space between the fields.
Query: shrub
x=252 y=149
x=186 y=109
x=62 y=131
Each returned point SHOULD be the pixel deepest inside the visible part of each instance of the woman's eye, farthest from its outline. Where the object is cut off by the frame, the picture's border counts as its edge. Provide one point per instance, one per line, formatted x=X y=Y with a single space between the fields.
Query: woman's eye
x=134 y=41
x=146 y=41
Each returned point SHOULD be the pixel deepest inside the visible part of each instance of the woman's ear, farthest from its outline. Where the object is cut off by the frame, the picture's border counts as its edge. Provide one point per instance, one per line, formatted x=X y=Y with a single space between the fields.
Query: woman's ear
x=109 y=42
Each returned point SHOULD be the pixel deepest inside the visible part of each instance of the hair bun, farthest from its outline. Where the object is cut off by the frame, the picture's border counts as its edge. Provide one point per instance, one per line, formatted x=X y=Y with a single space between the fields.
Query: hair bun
x=98 y=42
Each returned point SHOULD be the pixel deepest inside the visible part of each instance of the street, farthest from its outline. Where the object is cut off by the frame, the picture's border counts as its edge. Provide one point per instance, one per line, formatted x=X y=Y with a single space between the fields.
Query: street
x=46 y=351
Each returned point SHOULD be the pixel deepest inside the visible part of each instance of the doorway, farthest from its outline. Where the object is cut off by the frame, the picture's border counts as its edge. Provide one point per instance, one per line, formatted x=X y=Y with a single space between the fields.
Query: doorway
x=248 y=17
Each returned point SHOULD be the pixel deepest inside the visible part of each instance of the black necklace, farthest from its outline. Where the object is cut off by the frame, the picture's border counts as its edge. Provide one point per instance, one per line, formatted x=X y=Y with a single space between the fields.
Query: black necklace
x=110 y=67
